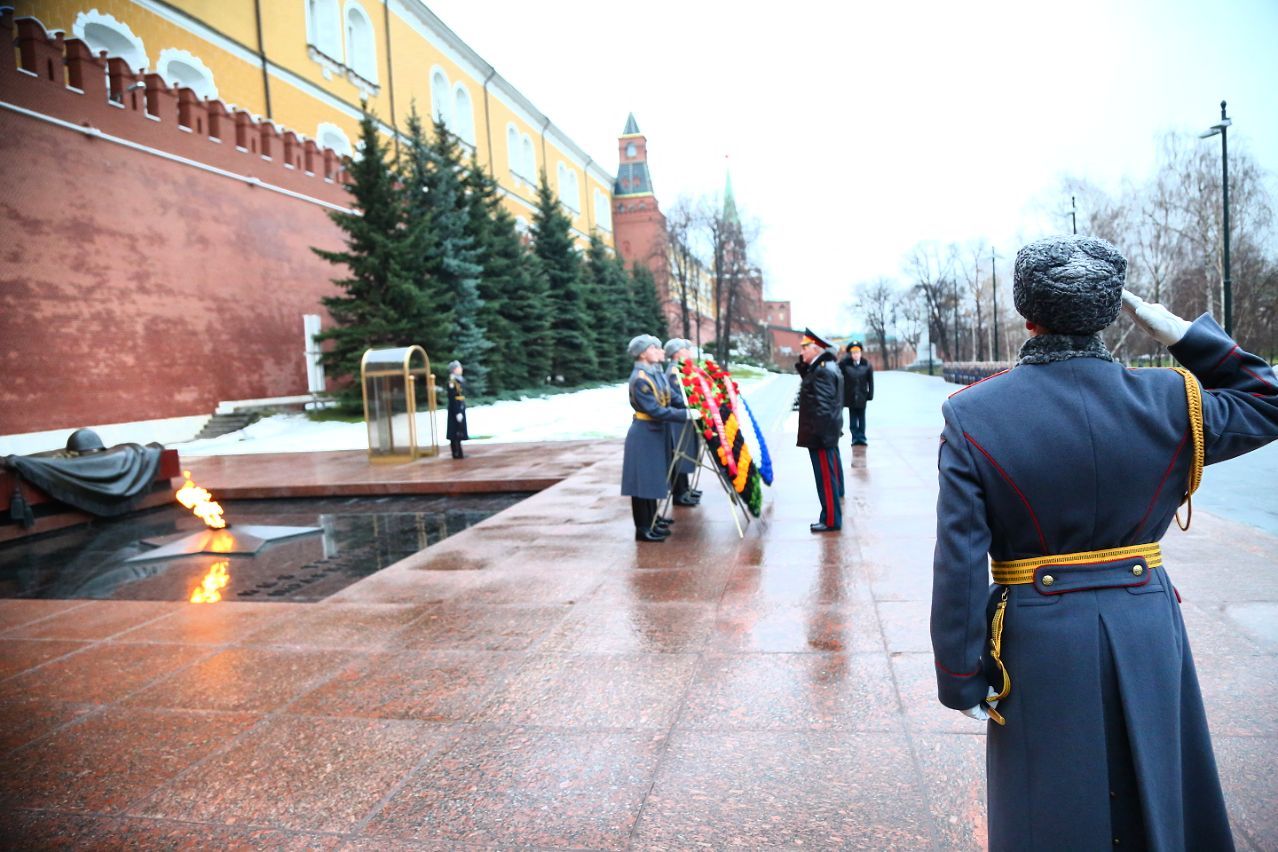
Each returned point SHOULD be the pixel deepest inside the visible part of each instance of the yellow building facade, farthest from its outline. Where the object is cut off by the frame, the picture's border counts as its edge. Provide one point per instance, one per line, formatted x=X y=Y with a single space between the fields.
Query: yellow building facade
x=308 y=65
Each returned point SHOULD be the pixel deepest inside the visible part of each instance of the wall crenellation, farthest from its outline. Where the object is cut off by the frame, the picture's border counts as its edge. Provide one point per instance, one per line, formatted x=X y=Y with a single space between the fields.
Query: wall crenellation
x=62 y=78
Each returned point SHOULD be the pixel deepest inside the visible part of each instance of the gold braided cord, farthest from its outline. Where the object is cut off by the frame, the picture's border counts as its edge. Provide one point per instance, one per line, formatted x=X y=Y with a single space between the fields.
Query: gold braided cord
x=996 y=652
x=1018 y=572
x=1194 y=399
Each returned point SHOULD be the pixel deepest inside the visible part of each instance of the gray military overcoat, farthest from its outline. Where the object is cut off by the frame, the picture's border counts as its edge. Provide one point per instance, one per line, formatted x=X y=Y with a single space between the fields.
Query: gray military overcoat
x=1079 y=455
x=647 y=459
x=684 y=435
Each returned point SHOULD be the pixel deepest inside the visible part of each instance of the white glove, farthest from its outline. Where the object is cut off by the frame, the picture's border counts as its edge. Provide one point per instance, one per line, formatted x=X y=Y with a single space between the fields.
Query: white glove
x=459 y=418
x=979 y=713
x=694 y=414
x=1155 y=320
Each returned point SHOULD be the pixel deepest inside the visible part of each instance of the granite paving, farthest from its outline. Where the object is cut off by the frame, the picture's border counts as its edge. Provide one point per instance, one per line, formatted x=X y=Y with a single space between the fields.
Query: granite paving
x=541 y=680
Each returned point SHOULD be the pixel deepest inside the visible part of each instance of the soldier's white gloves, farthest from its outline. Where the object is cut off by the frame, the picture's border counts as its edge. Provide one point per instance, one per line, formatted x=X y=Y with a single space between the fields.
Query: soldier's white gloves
x=1155 y=320
x=459 y=418
x=694 y=414
x=979 y=713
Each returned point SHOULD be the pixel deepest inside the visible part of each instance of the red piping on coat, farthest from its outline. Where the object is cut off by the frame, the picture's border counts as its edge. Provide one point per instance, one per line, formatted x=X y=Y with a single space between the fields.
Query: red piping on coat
x=1033 y=517
x=1161 y=483
x=1223 y=360
x=978 y=381
x=956 y=674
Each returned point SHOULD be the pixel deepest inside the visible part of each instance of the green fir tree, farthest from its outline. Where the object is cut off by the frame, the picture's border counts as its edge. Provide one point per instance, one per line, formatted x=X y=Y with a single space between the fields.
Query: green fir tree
x=614 y=308
x=572 y=357
x=381 y=304
x=435 y=183
x=512 y=289
x=648 y=313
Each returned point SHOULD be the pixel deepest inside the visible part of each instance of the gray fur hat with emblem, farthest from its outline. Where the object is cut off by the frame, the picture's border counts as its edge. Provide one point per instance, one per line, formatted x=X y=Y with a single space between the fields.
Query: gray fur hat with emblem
x=1070 y=284
x=638 y=345
x=674 y=344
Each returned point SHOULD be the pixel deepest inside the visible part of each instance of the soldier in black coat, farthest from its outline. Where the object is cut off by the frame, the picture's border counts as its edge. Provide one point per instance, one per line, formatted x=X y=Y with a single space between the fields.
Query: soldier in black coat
x=821 y=425
x=456 y=409
x=858 y=389
x=685 y=440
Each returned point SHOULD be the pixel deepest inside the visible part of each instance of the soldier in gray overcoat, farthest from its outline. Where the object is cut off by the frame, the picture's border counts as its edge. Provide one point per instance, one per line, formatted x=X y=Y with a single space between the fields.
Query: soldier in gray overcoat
x=685 y=439
x=647 y=455
x=1067 y=470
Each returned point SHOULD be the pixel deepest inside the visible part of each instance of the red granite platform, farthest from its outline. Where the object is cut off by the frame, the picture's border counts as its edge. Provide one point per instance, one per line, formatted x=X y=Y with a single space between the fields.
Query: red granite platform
x=543 y=681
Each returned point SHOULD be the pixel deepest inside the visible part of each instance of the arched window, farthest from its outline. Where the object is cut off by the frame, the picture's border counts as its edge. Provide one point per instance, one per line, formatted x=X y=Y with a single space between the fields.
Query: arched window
x=530 y=159
x=361 y=49
x=463 y=115
x=331 y=136
x=603 y=210
x=440 y=100
x=182 y=69
x=103 y=32
x=569 y=194
x=324 y=27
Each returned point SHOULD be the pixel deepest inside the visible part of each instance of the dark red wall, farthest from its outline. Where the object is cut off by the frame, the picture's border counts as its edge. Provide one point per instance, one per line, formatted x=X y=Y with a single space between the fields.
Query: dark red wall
x=133 y=287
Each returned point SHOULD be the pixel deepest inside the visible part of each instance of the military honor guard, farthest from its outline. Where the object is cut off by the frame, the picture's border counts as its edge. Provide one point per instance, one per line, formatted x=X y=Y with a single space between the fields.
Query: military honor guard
x=1065 y=471
x=685 y=439
x=821 y=425
x=456 y=431
x=648 y=451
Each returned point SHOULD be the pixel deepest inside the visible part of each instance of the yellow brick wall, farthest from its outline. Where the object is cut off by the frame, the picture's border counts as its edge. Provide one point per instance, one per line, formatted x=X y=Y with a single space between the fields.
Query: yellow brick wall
x=237 y=73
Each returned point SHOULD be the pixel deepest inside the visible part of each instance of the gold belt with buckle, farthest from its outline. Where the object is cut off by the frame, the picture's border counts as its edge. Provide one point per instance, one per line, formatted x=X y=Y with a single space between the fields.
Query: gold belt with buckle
x=639 y=415
x=1019 y=572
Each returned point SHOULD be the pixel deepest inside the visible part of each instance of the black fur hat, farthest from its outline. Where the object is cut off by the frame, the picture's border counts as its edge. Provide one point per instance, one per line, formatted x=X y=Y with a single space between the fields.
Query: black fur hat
x=1070 y=284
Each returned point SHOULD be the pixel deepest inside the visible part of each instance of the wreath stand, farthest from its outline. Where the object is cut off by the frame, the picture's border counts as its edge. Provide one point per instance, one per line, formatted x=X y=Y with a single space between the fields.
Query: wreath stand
x=701 y=463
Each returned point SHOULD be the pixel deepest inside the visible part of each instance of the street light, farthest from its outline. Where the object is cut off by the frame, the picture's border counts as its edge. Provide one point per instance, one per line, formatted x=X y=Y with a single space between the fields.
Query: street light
x=1221 y=128
x=1073 y=215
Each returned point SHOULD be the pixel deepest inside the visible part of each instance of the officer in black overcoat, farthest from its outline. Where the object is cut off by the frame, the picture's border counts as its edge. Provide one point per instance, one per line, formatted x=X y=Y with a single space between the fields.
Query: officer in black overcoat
x=858 y=389
x=646 y=462
x=456 y=431
x=1066 y=470
x=821 y=424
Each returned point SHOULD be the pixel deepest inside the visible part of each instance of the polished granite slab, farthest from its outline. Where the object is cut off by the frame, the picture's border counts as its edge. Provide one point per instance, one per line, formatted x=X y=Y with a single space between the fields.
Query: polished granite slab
x=541 y=680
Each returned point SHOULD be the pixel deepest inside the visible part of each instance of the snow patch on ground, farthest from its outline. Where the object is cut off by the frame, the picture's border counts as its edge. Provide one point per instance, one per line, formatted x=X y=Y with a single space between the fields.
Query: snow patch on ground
x=593 y=414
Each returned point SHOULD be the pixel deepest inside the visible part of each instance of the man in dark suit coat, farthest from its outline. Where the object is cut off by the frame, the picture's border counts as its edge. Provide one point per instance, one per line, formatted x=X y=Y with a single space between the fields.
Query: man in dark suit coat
x=858 y=389
x=821 y=425
x=647 y=455
x=1067 y=470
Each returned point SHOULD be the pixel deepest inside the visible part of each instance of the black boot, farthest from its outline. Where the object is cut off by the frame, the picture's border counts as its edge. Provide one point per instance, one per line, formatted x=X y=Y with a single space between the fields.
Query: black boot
x=650 y=535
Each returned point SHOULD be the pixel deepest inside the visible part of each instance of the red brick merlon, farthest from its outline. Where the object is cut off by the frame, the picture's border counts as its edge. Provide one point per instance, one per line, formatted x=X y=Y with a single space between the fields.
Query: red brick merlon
x=60 y=80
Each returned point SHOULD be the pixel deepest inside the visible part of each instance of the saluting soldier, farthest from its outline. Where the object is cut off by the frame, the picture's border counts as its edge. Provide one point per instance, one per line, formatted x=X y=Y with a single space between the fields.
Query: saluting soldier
x=821 y=424
x=685 y=439
x=456 y=431
x=1067 y=470
x=648 y=453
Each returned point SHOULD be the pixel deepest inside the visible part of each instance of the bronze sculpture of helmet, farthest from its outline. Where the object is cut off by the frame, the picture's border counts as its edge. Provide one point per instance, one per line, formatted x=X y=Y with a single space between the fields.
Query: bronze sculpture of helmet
x=84 y=441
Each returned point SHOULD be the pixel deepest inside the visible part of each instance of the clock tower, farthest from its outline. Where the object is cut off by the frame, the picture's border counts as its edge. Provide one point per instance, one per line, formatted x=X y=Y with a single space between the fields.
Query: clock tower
x=639 y=227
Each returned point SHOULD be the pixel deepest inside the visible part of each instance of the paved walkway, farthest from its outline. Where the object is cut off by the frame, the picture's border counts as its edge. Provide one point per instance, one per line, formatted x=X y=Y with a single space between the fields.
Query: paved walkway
x=541 y=680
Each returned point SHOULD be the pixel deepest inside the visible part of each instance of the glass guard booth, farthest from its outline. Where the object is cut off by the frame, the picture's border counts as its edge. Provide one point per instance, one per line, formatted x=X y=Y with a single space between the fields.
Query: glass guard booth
x=397 y=385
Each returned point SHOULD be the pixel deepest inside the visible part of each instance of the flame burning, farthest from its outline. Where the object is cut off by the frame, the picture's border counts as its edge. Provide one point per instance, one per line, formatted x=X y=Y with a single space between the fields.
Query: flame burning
x=210 y=588
x=200 y=502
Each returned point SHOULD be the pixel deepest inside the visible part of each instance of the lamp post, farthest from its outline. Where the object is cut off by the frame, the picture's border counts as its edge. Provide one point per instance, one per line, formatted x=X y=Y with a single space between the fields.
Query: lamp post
x=1221 y=128
x=1073 y=215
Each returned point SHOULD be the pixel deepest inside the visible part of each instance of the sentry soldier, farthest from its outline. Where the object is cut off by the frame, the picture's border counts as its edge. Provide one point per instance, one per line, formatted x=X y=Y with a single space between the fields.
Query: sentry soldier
x=648 y=452
x=685 y=440
x=456 y=431
x=1067 y=470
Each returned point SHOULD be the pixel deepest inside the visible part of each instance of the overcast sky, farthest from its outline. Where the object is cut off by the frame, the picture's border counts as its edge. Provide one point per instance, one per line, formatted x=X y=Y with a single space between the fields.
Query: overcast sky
x=856 y=130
